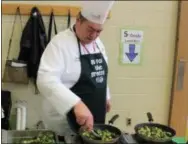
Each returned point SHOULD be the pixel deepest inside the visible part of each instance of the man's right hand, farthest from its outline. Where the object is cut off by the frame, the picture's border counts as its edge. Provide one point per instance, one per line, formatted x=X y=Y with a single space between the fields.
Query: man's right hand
x=83 y=116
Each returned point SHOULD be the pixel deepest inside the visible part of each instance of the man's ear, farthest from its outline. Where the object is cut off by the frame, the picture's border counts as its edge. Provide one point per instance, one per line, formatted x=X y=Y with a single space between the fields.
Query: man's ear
x=78 y=18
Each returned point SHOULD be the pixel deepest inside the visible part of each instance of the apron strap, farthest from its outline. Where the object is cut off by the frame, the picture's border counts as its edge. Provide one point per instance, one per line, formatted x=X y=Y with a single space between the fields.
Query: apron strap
x=78 y=41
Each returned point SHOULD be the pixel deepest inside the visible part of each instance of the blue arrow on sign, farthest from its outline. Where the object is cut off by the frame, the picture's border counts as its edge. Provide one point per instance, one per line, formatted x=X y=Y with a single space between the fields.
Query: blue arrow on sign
x=131 y=55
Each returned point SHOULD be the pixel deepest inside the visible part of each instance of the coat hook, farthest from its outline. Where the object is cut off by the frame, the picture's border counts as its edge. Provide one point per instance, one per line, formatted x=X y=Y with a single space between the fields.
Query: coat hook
x=18 y=8
x=52 y=10
x=69 y=11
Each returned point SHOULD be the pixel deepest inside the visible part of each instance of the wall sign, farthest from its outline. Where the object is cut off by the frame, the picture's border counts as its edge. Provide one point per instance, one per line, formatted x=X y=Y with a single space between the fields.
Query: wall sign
x=131 y=46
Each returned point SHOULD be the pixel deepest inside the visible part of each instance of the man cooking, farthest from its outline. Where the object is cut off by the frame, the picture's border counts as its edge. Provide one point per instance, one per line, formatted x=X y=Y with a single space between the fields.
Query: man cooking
x=73 y=72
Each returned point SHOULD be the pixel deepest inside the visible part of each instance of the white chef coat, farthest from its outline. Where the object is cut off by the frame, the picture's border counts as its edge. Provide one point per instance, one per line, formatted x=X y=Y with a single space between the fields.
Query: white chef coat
x=59 y=70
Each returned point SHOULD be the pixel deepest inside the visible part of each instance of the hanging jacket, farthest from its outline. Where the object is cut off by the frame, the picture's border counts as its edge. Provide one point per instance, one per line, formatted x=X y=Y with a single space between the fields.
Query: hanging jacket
x=33 y=42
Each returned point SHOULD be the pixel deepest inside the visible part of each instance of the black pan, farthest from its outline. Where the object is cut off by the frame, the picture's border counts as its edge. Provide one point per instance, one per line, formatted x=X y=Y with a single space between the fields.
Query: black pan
x=150 y=124
x=108 y=127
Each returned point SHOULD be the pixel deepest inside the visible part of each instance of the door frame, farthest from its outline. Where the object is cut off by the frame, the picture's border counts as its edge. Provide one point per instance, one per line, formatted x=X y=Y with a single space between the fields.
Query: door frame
x=176 y=59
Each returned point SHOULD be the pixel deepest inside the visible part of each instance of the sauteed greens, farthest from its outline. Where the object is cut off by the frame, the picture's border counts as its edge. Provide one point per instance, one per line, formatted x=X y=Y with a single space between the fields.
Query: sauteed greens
x=105 y=135
x=154 y=133
x=47 y=138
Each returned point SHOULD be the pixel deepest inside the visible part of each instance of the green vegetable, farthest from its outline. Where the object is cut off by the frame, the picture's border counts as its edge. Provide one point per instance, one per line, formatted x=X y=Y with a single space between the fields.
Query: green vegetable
x=106 y=135
x=154 y=133
x=47 y=138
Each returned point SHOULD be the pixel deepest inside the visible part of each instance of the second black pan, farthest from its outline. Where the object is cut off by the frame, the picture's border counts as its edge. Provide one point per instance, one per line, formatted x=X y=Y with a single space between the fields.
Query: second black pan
x=163 y=127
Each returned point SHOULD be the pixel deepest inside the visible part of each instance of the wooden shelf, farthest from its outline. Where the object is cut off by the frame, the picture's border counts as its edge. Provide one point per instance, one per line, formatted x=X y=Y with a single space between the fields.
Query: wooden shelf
x=59 y=10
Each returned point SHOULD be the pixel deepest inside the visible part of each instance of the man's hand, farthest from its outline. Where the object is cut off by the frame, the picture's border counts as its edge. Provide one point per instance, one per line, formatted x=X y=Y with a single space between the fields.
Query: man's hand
x=108 y=106
x=83 y=116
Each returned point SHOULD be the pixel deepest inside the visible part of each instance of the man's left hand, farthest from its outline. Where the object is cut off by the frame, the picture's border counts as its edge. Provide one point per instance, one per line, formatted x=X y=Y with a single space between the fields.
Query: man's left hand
x=108 y=106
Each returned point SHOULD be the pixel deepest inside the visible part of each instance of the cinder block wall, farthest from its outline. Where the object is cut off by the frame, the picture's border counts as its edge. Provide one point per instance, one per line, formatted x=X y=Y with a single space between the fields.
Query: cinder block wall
x=135 y=90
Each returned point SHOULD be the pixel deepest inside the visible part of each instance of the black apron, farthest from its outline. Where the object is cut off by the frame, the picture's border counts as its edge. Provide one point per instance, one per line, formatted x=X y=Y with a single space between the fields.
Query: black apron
x=91 y=87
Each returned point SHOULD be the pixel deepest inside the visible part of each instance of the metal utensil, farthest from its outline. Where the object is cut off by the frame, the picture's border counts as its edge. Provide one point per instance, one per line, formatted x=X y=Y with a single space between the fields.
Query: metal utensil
x=96 y=134
x=111 y=121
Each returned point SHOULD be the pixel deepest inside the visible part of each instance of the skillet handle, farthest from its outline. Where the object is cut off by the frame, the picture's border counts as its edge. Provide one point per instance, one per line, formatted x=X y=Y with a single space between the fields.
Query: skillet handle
x=111 y=121
x=150 y=117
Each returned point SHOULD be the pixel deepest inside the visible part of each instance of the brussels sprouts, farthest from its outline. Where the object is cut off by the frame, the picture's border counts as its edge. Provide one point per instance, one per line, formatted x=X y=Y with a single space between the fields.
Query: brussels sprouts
x=154 y=133
x=106 y=135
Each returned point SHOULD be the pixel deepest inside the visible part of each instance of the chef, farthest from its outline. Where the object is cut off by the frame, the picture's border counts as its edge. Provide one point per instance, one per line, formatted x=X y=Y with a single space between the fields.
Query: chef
x=73 y=72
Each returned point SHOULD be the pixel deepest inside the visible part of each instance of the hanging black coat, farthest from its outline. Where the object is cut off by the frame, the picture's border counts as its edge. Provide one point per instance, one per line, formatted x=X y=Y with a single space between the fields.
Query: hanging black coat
x=33 y=42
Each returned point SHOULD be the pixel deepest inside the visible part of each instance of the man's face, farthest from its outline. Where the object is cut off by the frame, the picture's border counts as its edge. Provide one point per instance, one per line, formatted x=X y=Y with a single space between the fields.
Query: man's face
x=89 y=31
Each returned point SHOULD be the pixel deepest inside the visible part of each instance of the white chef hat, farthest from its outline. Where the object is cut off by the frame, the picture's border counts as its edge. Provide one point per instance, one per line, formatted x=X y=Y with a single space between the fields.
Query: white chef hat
x=96 y=11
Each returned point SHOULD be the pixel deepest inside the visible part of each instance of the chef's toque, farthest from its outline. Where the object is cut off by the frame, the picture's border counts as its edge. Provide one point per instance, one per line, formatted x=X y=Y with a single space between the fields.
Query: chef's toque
x=96 y=11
